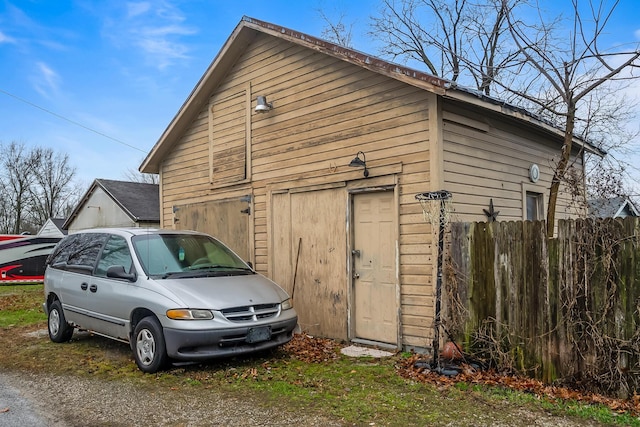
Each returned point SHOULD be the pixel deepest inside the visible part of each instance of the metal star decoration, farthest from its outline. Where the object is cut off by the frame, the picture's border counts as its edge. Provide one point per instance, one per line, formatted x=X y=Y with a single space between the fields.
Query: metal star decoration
x=491 y=214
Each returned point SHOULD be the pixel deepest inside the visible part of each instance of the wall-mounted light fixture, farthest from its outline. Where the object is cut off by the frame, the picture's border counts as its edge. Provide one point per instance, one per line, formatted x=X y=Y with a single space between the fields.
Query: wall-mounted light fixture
x=262 y=105
x=360 y=162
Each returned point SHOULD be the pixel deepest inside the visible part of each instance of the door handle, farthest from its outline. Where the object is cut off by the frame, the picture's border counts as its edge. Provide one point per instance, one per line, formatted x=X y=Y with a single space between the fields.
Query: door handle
x=355 y=252
x=84 y=286
x=93 y=288
x=356 y=275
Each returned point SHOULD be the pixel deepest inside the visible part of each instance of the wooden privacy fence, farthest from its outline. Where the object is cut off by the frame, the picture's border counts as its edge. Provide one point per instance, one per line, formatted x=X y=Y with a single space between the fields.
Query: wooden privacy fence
x=563 y=309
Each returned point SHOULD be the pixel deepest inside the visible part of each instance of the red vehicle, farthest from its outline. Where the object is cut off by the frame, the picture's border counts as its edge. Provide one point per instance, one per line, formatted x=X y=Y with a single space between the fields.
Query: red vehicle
x=23 y=258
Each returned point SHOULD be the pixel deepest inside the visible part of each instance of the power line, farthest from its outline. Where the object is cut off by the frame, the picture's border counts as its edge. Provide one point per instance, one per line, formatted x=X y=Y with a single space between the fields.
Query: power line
x=71 y=121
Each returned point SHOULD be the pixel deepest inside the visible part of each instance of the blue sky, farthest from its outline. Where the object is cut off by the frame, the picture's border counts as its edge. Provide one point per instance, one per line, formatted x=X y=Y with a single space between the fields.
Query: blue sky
x=79 y=75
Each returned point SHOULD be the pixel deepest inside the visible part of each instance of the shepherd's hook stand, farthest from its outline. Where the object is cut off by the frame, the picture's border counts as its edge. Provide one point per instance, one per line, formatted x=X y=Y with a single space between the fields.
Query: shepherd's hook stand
x=442 y=196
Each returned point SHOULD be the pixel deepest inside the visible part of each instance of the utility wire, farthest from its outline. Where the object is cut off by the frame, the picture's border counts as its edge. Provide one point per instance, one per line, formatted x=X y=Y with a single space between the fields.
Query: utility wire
x=71 y=121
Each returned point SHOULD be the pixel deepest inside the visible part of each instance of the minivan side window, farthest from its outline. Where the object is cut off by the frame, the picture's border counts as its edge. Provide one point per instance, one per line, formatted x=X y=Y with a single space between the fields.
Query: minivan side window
x=60 y=254
x=78 y=252
x=115 y=252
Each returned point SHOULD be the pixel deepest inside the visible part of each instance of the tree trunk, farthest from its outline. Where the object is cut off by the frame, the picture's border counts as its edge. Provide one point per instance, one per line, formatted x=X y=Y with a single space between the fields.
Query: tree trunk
x=561 y=168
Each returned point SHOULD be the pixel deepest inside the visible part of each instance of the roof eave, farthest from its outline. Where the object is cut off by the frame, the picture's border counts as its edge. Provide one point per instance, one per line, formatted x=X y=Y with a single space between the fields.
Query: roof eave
x=408 y=75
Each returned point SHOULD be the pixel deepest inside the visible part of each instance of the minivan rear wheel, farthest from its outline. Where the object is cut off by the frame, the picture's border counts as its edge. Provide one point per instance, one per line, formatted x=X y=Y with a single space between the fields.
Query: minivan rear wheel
x=149 y=348
x=59 y=329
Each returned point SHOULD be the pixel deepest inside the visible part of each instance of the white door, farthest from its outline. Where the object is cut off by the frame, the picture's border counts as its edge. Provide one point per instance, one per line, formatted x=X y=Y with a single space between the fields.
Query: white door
x=374 y=268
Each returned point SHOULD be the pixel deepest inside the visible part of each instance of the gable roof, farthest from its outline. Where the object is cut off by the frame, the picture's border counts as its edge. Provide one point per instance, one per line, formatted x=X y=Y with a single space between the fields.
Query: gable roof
x=58 y=222
x=140 y=201
x=612 y=208
x=248 y=29
x=53 y=227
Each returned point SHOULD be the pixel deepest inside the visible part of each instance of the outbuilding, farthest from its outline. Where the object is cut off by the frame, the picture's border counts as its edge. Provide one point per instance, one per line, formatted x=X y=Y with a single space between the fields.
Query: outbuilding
x=112 y=203
x=305 y=157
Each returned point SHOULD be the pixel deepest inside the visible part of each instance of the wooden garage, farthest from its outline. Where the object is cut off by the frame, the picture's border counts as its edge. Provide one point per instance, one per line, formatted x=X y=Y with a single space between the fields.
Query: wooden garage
x=259 y=155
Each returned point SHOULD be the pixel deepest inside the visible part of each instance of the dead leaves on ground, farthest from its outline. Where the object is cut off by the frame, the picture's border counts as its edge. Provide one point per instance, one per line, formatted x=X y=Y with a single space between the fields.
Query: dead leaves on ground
x=407 y=369
x=309 y=349
x=312 y=350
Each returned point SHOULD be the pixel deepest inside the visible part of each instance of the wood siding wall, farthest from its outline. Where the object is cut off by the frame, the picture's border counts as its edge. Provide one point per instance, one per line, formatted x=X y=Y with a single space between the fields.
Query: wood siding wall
x=489 y=158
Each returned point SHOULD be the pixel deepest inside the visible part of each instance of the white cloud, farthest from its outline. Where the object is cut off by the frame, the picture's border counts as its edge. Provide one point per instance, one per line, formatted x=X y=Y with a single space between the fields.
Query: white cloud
x=137 y=8
x=6 y=39
x=46 y=80
x=156 y=28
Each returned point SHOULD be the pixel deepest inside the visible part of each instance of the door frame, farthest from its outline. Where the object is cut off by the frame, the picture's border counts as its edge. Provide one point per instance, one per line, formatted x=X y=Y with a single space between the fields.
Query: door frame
x=376 y=185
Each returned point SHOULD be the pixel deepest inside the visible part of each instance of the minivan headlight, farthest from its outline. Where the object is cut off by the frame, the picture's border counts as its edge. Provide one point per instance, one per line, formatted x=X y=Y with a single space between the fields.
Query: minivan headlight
x=286 y=304
x=189 y=314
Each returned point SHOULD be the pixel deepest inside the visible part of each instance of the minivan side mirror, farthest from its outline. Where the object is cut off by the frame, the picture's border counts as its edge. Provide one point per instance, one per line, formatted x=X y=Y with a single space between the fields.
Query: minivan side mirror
x=118 y=272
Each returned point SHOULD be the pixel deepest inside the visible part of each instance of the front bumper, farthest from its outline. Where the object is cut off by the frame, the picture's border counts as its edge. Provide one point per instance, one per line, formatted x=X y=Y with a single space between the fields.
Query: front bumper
x=213 y=343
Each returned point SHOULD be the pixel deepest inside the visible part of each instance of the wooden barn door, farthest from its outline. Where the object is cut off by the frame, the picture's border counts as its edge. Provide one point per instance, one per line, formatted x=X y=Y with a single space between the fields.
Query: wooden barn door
x=226 y=220
x=375 y=310
x=308 y=257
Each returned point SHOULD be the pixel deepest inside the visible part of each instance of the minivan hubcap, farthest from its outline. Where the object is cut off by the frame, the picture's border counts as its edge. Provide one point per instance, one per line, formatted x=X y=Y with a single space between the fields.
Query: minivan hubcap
x=145 y=346
x=54 y=322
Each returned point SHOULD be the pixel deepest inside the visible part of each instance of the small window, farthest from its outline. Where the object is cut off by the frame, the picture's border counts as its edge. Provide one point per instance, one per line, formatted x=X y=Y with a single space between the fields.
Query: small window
x=535 y=211
x=115 y=252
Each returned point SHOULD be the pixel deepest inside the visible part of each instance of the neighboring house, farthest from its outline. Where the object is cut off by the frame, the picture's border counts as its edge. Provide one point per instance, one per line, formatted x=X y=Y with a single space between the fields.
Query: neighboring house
x=109 y=203
x=259 y=156
x=615 y=207
x=53 y=228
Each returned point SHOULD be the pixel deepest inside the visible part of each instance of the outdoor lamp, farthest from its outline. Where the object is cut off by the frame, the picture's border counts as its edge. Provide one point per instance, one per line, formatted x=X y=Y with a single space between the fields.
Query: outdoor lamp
x=360 y=162
x=262 y=105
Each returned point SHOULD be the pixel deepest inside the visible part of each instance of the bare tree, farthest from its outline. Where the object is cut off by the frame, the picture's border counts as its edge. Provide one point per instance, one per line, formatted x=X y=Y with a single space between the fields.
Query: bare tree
x=18 y=166
x=35 y=184
x=520 y=52
x=569 y=69
x=460 y=40
x=143 y=178
x=52 y=189
x=6 y=212
x=336 y=32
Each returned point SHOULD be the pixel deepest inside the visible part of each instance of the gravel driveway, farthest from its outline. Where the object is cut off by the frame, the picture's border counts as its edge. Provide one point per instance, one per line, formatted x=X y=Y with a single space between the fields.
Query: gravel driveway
x=69 y=401
x=63 y=401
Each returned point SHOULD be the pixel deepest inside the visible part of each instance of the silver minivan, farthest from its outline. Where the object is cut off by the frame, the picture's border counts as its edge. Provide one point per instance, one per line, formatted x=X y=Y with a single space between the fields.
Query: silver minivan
x=172 y=295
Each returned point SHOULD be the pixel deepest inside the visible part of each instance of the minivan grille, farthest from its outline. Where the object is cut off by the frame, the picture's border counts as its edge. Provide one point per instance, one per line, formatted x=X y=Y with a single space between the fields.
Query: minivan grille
x=250 y=312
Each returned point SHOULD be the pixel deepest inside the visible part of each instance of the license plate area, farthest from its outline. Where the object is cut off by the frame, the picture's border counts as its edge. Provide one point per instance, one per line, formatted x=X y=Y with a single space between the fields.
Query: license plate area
x=260 y=334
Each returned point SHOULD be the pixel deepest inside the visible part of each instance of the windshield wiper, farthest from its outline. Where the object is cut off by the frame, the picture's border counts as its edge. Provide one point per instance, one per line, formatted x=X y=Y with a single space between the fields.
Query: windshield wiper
x=206 y=266
x=204 y=270
x=170 y=273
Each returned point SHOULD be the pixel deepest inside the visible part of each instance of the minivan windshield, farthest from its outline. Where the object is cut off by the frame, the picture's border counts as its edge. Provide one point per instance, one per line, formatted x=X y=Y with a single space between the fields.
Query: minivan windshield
x=186 y=255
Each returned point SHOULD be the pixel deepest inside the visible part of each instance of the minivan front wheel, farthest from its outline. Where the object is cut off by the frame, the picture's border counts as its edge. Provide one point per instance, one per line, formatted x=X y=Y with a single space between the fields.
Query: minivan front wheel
x=59 y=329
x=149 y=348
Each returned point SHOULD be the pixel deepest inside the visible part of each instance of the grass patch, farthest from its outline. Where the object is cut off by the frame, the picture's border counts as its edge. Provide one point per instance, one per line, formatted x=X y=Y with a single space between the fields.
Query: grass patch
x=358 y=391
x=21 y=305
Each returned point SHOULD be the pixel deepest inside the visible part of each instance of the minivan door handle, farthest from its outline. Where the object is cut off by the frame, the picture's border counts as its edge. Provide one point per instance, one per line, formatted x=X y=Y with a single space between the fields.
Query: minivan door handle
x=84 y=286
x=93 y=288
